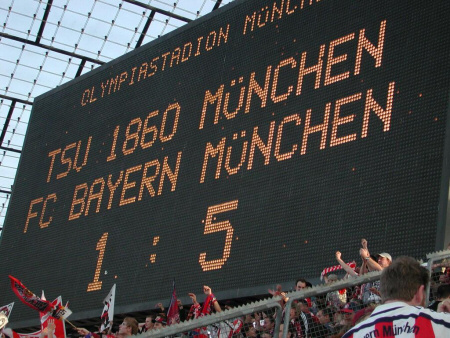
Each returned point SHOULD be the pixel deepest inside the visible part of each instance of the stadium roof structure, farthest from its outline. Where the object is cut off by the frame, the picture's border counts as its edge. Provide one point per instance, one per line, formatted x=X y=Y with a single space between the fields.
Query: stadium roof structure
x=46 y=43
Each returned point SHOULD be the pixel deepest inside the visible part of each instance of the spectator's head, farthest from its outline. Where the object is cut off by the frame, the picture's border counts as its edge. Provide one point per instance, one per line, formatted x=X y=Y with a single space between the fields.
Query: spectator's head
x=269 y=323
x=160 y=322
x=404 y=280
x=249 y=318
x=128 y=327
x=303 y=305
x=293 y=311
x=148 y=322
x=301 y=284
x=331 y=278
x=347 y=315
x=325 y=315
x=384 y=259
x=443 y=292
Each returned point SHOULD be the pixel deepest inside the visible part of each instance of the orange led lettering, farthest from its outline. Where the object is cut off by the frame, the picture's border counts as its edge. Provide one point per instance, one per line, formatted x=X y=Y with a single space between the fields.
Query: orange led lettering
x=383 y=114
x=334 y=60
x=43 y=224
x=113 y=81
x=199 y=40
x=254 y=87
x=78 y=201
x=52 y=154
x=132 y=76
x=338 y=120
x=322 y=128
x=98 y=195
x=104 y=85
x=128 y=185
x=210 y=99
x=165 y=55
x=172 y=175
x=175 y=56
x=113 y=155
x=187 y=50
x=153 y=67
x=31 y=213
x=257 y=142
x=287 y=155
x=67 y=161
x=210 y=151
x=86 y=154
x=226 y=113
x=249 y=20
x=210 y=42
x=147 y=130
x=85 y=97
x=223 y=36
x=364 y=44
x=277 y=10
x=147 y=180
x=112 y=187
x=212 y=227
x=133 y=137
x=122 y=78
x=262 y=23
x=142 y=71
x=101 y=245
x=234 y=170
x=177 y=108
x=317 y=68
x=278 y=98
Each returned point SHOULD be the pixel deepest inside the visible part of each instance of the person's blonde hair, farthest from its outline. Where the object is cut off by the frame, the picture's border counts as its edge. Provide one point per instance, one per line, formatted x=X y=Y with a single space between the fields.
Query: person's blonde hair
x=131 y=322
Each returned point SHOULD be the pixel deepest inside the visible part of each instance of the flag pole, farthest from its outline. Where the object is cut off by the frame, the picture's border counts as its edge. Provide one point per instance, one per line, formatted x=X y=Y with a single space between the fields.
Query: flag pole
x=70 y=324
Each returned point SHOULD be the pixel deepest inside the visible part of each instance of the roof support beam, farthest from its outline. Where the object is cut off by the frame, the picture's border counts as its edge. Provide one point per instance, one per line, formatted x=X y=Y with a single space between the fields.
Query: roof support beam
x=80 y=67
x=44 y=21
x=8 y=118
x=6 y=97
x=218 y=2
x=54 y=49
x=144 y=31
x=11 y=149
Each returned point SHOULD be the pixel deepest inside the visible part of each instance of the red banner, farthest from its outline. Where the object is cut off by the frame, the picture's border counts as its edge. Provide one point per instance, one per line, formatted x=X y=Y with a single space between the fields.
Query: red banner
x=28 y=297
x=173 y=314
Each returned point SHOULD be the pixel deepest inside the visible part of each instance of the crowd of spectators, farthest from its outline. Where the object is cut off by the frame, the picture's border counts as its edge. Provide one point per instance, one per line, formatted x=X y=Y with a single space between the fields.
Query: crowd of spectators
x=330 y=315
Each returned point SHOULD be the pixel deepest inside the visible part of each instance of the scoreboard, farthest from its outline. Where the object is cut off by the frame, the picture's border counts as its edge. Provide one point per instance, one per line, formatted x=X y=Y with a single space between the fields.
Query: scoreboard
x=239 y=151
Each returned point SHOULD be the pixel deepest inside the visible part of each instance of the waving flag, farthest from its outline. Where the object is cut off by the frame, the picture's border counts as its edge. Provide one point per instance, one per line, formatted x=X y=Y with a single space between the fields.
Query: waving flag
x=173 y=314
x=6 y=309
x=28 y=297
x=57 y=316
x=108 y=309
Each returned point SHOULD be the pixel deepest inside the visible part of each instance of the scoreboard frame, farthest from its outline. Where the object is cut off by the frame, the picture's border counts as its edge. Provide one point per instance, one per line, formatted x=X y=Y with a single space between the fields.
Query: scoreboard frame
x=234 y=145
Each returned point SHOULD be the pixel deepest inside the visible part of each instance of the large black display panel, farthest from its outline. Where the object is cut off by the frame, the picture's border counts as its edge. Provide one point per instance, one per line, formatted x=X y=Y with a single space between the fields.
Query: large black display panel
x=240 y=151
